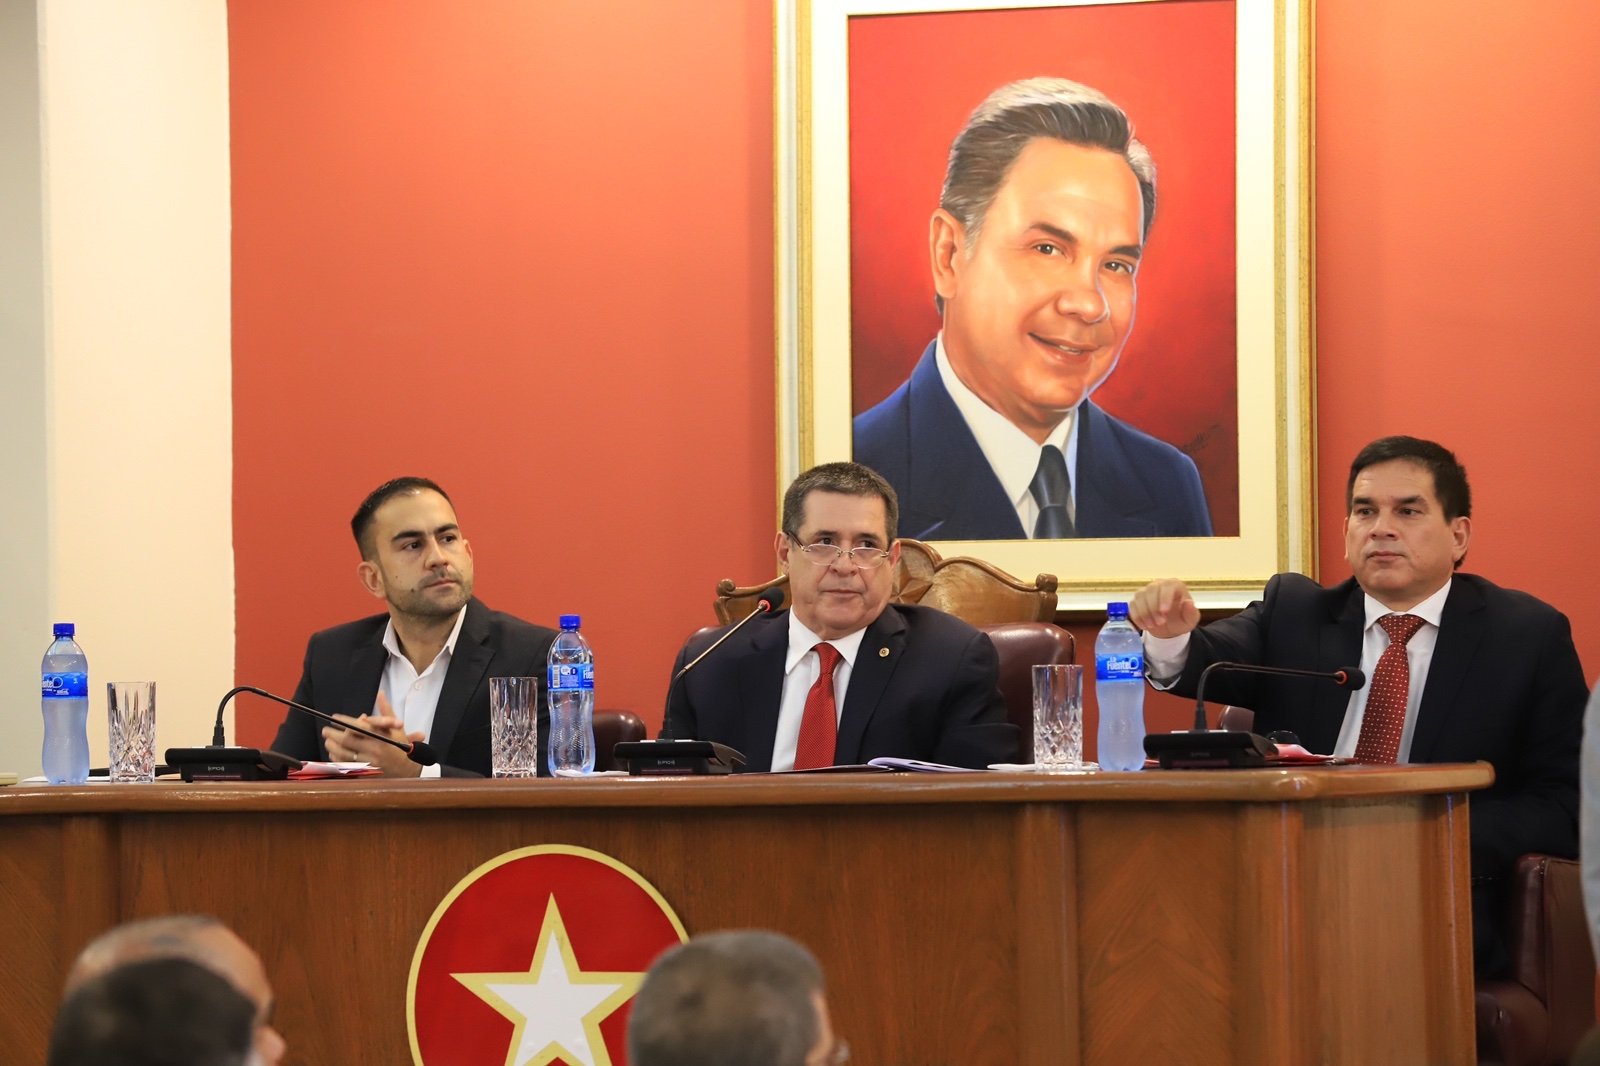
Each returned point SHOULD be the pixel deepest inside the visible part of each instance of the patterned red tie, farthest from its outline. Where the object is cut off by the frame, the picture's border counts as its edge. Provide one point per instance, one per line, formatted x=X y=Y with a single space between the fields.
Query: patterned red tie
x=820 y=722
x=1385 y=717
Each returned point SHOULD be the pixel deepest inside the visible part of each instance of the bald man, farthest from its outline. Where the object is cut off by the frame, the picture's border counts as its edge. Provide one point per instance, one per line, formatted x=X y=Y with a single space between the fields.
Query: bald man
x=200 y=939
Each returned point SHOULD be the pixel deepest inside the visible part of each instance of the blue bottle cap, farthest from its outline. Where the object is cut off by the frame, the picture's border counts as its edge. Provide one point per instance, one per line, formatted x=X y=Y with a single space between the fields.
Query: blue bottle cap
x=66 y=629
x=570 y=621
x=1116 y=610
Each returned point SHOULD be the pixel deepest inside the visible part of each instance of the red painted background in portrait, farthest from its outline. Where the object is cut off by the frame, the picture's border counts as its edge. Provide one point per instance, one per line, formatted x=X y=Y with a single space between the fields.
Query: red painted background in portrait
x=914 y=79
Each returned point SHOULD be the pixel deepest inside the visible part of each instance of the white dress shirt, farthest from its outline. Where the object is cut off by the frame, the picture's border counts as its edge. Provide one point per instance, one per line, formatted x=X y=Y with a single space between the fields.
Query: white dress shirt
x=414 y=696
x=801 y=668
x=1012 y=454
x=1165 y=658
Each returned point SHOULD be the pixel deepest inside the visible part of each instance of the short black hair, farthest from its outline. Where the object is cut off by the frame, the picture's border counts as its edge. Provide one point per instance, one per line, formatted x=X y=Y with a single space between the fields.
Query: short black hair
x=160 y=1012
x=741 y=998
x=1449 y=476
x=847 y=479
x=361 y=524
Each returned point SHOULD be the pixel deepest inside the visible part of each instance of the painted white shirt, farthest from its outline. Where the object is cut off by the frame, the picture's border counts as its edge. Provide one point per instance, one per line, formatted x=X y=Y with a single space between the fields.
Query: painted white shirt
x=1012 y=454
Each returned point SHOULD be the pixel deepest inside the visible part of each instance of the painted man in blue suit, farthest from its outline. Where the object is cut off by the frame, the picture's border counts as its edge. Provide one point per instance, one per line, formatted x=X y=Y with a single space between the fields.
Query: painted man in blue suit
x=1047 y=202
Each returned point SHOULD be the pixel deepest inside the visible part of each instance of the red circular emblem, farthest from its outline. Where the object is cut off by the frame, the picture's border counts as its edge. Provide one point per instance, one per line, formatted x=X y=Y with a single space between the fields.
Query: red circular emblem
x=533 y=958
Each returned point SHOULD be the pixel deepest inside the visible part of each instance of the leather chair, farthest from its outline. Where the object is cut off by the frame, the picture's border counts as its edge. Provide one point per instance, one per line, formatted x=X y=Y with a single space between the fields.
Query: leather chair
x=1539 y=1013
x=1022 y=646
x=974 y=591
x=610 y=729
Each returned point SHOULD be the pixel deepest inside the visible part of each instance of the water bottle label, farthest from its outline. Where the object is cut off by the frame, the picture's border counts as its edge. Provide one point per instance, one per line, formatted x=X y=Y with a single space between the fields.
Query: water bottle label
x=572 y=677
x=1119 y=667
x=65 y=686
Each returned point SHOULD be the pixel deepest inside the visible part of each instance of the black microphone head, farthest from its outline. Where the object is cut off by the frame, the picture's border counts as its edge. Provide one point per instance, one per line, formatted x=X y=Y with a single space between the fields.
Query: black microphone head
x=771 y=599
x=1351 y=677
x=422 y=754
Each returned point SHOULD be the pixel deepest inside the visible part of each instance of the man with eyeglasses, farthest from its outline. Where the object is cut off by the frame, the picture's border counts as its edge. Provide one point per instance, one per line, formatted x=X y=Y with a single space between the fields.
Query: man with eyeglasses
x=843 y=676
x=740 y=998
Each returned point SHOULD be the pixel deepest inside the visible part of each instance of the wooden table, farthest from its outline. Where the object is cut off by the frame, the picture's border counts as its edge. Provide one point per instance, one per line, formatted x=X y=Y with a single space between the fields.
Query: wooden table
x=1263 y=916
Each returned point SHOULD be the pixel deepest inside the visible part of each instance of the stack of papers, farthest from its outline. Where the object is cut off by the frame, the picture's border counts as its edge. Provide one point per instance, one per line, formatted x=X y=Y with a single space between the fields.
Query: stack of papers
x=316 y=771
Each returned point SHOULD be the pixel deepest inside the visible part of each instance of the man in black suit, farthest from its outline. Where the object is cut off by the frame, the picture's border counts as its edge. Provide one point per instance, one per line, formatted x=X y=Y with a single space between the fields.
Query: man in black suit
x=844 y=676
x=1459 y=669
x=421 y=671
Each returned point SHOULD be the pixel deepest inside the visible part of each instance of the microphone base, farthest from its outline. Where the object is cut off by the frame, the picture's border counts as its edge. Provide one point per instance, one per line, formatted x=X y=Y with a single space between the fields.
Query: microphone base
x=678 y=758
x=231 y=764
x=1209 y=749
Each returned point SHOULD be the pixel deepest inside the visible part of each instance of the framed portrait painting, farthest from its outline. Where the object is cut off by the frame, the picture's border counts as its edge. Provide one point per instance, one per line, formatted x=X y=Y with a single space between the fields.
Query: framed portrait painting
x=1045 y=266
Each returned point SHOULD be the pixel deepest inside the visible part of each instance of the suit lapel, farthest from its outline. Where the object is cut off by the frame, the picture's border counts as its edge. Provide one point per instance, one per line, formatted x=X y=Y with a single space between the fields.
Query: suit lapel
x=365 y=677
x=1461 y=628
x=1113 y=500
x=957 y=496
x=761 y=688
x=1338 y=645
x=869 y=677
x=468 y=662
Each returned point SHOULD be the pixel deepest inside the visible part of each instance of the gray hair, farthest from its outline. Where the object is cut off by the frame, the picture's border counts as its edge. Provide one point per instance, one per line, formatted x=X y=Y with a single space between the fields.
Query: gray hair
x=172 y=936
x=727 y=999
x=1015 y=115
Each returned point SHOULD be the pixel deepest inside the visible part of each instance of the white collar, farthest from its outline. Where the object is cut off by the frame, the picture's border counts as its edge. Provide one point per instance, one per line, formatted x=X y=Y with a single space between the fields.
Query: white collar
x=392 y=643
x=1011 y=452
x=1429 y=610
x=802 y=640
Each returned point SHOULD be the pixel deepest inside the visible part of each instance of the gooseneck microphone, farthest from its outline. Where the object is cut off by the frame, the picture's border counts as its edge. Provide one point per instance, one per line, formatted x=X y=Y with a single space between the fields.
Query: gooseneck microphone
x=222 y=763
x=1345 y=677
x=670 y=756
x=1204 y=748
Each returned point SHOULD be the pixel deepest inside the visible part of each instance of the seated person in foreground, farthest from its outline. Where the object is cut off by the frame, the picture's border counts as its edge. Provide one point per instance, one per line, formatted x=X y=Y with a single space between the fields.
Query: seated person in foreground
x=1458 y=668
x=159 y=1012
x=844 y=676
x=421 y=671
x=743 y=998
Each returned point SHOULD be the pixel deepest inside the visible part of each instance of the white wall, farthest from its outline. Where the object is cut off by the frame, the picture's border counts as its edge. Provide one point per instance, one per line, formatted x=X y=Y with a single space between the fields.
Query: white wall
x=135 y=428
x=24 y=413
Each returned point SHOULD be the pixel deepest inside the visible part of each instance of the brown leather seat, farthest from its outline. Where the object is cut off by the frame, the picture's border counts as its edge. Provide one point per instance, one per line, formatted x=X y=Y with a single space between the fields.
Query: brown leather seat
x=1538 y=1014
x=974 y=591
x=1022 y=646
x=610 y=729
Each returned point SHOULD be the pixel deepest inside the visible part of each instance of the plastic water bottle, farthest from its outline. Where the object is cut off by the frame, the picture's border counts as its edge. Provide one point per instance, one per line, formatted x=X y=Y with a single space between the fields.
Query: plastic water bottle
x=64 y=692
x=571 y=686
x=1119 y=688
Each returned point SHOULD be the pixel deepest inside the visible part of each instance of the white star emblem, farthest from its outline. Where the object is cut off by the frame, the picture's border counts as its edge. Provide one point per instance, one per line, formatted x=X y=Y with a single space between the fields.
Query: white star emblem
x=557 y=1007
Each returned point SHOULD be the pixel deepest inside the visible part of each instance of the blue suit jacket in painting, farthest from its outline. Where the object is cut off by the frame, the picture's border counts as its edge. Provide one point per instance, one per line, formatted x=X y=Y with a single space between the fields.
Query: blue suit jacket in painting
x=1129 y=483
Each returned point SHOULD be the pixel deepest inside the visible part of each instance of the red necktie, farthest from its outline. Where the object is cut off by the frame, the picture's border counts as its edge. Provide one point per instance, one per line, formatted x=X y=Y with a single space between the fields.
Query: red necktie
x=820 y=722
x=1385 y=717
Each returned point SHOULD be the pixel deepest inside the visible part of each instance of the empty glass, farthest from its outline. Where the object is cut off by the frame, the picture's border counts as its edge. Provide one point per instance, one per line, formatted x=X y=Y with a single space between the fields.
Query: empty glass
x=514 y=726
x=131 y=714
x=1058 y=717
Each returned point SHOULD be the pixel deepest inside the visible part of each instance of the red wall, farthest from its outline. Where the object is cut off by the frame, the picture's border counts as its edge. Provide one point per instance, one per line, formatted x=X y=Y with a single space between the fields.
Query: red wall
x=472 y=241
x=522 y=249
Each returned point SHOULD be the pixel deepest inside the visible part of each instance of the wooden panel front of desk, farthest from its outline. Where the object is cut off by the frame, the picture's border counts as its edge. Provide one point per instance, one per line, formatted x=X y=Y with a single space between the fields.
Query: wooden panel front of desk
x=1273 y=917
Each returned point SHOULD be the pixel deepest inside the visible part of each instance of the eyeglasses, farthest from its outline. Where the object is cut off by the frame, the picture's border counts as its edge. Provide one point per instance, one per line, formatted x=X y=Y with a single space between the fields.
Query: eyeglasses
x=827 y=554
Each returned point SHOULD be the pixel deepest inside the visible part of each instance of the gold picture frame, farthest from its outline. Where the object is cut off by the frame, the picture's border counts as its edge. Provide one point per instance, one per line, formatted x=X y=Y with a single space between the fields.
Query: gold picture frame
x=1273 y=262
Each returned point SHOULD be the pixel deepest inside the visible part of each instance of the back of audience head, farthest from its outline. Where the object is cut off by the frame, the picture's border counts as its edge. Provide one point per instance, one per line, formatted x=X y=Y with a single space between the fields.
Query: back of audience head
x=746 y=998
x=159 y=1012
x=199 y=939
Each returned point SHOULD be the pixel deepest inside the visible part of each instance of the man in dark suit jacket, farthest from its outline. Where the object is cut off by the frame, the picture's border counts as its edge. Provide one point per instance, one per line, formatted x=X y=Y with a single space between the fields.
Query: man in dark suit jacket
x=1129 y=483
x=421 y=671
x=844 y=677
x=1035 y=248
x=1489 y=673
